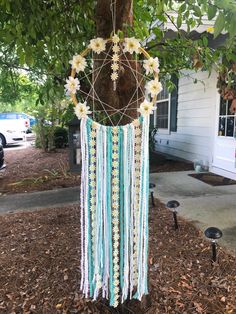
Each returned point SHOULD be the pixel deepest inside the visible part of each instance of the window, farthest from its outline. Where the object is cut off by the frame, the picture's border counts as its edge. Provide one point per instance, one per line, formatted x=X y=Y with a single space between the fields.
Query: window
x=163 y=109
x=227 y=120
x=165 y=118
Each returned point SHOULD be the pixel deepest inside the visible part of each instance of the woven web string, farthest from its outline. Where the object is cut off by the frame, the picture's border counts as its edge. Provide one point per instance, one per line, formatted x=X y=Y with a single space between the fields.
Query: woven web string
x=93 y=75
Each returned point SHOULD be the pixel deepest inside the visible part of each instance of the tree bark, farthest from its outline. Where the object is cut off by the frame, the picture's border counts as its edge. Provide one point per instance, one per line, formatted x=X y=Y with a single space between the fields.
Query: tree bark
x=126 y=82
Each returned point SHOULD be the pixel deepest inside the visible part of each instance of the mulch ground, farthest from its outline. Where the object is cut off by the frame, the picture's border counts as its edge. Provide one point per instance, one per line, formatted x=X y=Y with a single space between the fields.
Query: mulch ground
x=39 y=267
x=31 y=169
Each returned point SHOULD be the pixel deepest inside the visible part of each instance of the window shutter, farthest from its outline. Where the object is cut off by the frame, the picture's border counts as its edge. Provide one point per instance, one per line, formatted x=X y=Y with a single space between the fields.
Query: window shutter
x=174 y=105
x=152 y=121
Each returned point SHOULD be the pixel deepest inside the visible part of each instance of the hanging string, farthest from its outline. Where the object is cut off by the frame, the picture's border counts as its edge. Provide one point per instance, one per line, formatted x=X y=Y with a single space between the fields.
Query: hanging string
x=113 y=15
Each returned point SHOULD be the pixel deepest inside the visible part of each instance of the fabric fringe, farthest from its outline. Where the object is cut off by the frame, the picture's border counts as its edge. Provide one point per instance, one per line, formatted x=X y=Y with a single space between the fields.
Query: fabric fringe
x=114 y=210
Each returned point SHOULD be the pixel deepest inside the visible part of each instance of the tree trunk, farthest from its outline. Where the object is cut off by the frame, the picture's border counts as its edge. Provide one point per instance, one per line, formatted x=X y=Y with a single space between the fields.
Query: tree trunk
x=126 y=85
x=127 y=82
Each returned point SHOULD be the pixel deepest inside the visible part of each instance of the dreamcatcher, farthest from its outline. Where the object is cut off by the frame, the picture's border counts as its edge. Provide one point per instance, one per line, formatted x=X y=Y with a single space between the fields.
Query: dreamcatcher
x=115 y=171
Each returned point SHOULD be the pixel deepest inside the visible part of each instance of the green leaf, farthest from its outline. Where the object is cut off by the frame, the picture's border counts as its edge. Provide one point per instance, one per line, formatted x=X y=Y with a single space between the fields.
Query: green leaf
x=179 y=21
x=205 y=41
x=211 y=13
x=182 y=8
x=197 y=11
x=219 y=24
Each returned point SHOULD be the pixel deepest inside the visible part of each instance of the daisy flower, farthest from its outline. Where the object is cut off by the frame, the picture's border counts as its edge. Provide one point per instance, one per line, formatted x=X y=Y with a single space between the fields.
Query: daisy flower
x=81 y=110
x=154 y=87
x=114 y=76
x=115 y=48
x=151 y=65
x=97 y=45
x=72 y=85
x=93 y=133
x=116 y=238
x=115 y=138
x=95 y=125
x=131 y=45
x=116 y=282
x=116 y=303
x=115 y=205
x=115 y=39
x=92 y=142
x=146 y=108
x=115 y=213
x=115 y=57
x=78 y=63
x=115 y=172
x=136 y=122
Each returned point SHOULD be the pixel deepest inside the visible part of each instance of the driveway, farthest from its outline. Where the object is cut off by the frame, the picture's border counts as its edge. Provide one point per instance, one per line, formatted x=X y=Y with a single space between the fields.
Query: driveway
x=201 y=203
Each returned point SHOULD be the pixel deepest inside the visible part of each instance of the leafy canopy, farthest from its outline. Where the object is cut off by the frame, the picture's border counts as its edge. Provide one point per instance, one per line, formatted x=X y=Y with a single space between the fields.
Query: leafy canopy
x=42 y=36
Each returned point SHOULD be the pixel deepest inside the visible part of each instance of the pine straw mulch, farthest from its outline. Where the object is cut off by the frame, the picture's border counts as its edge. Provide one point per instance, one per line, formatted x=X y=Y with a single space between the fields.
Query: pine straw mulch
x=31 y=169
x=39 y=267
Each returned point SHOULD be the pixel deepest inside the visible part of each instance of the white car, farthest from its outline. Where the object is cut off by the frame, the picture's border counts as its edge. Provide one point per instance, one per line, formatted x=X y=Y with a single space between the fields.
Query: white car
x=11 y=132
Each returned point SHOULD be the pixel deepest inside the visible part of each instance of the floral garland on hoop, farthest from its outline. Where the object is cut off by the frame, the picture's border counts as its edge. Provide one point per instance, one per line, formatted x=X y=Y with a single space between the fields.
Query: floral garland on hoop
x=98 y=45
x=114 y=185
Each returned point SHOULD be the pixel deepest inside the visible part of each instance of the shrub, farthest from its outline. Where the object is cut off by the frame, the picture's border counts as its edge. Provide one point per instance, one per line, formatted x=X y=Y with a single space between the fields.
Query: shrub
x=60 y=137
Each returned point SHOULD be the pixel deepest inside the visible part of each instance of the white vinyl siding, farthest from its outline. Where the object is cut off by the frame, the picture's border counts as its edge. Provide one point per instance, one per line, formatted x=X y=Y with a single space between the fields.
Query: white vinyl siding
x=195 y=119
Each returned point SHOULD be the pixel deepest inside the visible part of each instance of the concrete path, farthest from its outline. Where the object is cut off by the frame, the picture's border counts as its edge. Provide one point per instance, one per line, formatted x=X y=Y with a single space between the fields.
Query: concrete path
x=201 y=203
x=37 y=200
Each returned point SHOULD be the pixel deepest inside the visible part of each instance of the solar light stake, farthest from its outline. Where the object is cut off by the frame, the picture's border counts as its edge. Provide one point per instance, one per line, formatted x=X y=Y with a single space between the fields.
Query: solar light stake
x=213 y=234
x=175 y=220
x=213 y=246
x=173 y=206
x=151 y=187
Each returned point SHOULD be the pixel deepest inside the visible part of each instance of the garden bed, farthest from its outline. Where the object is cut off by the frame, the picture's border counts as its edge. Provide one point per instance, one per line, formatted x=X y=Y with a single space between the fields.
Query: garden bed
x=39 y=267
x=31 y=169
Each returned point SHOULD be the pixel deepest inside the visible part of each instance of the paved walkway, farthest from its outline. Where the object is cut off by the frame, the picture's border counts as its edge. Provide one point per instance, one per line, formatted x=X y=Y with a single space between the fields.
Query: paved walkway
x=201 y=203
x=37 y=200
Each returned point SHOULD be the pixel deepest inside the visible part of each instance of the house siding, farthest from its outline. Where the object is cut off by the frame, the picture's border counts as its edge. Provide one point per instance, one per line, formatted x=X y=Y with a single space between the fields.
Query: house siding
x=194 y=138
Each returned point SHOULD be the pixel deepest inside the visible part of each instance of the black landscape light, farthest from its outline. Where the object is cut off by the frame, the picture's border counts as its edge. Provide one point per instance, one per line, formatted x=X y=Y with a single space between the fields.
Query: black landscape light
x=151 y=189
x=213 y=234
x=173 y=206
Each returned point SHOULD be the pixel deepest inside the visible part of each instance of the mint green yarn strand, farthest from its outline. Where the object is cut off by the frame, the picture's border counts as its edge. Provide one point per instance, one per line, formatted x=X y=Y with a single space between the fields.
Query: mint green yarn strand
x=121 y=171
x=109 y=171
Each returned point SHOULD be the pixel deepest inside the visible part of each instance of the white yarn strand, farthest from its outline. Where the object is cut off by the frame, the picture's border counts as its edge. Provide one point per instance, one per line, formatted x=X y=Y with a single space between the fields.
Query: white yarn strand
x=82 y=203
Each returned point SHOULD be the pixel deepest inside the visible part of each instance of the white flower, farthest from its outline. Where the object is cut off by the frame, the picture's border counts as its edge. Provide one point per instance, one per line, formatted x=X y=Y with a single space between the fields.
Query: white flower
x=116 y=303
x=81 y=110
x=97 y=45
x=115 y=48
x=115 y=39
x=72 y=85
x=78 y=63
x=151 y=65
x=136 y=123
x=114 y=76
x=131 y=45
x=115 y=66
x=115 y=57
x=146 y=108
x=154 y=87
